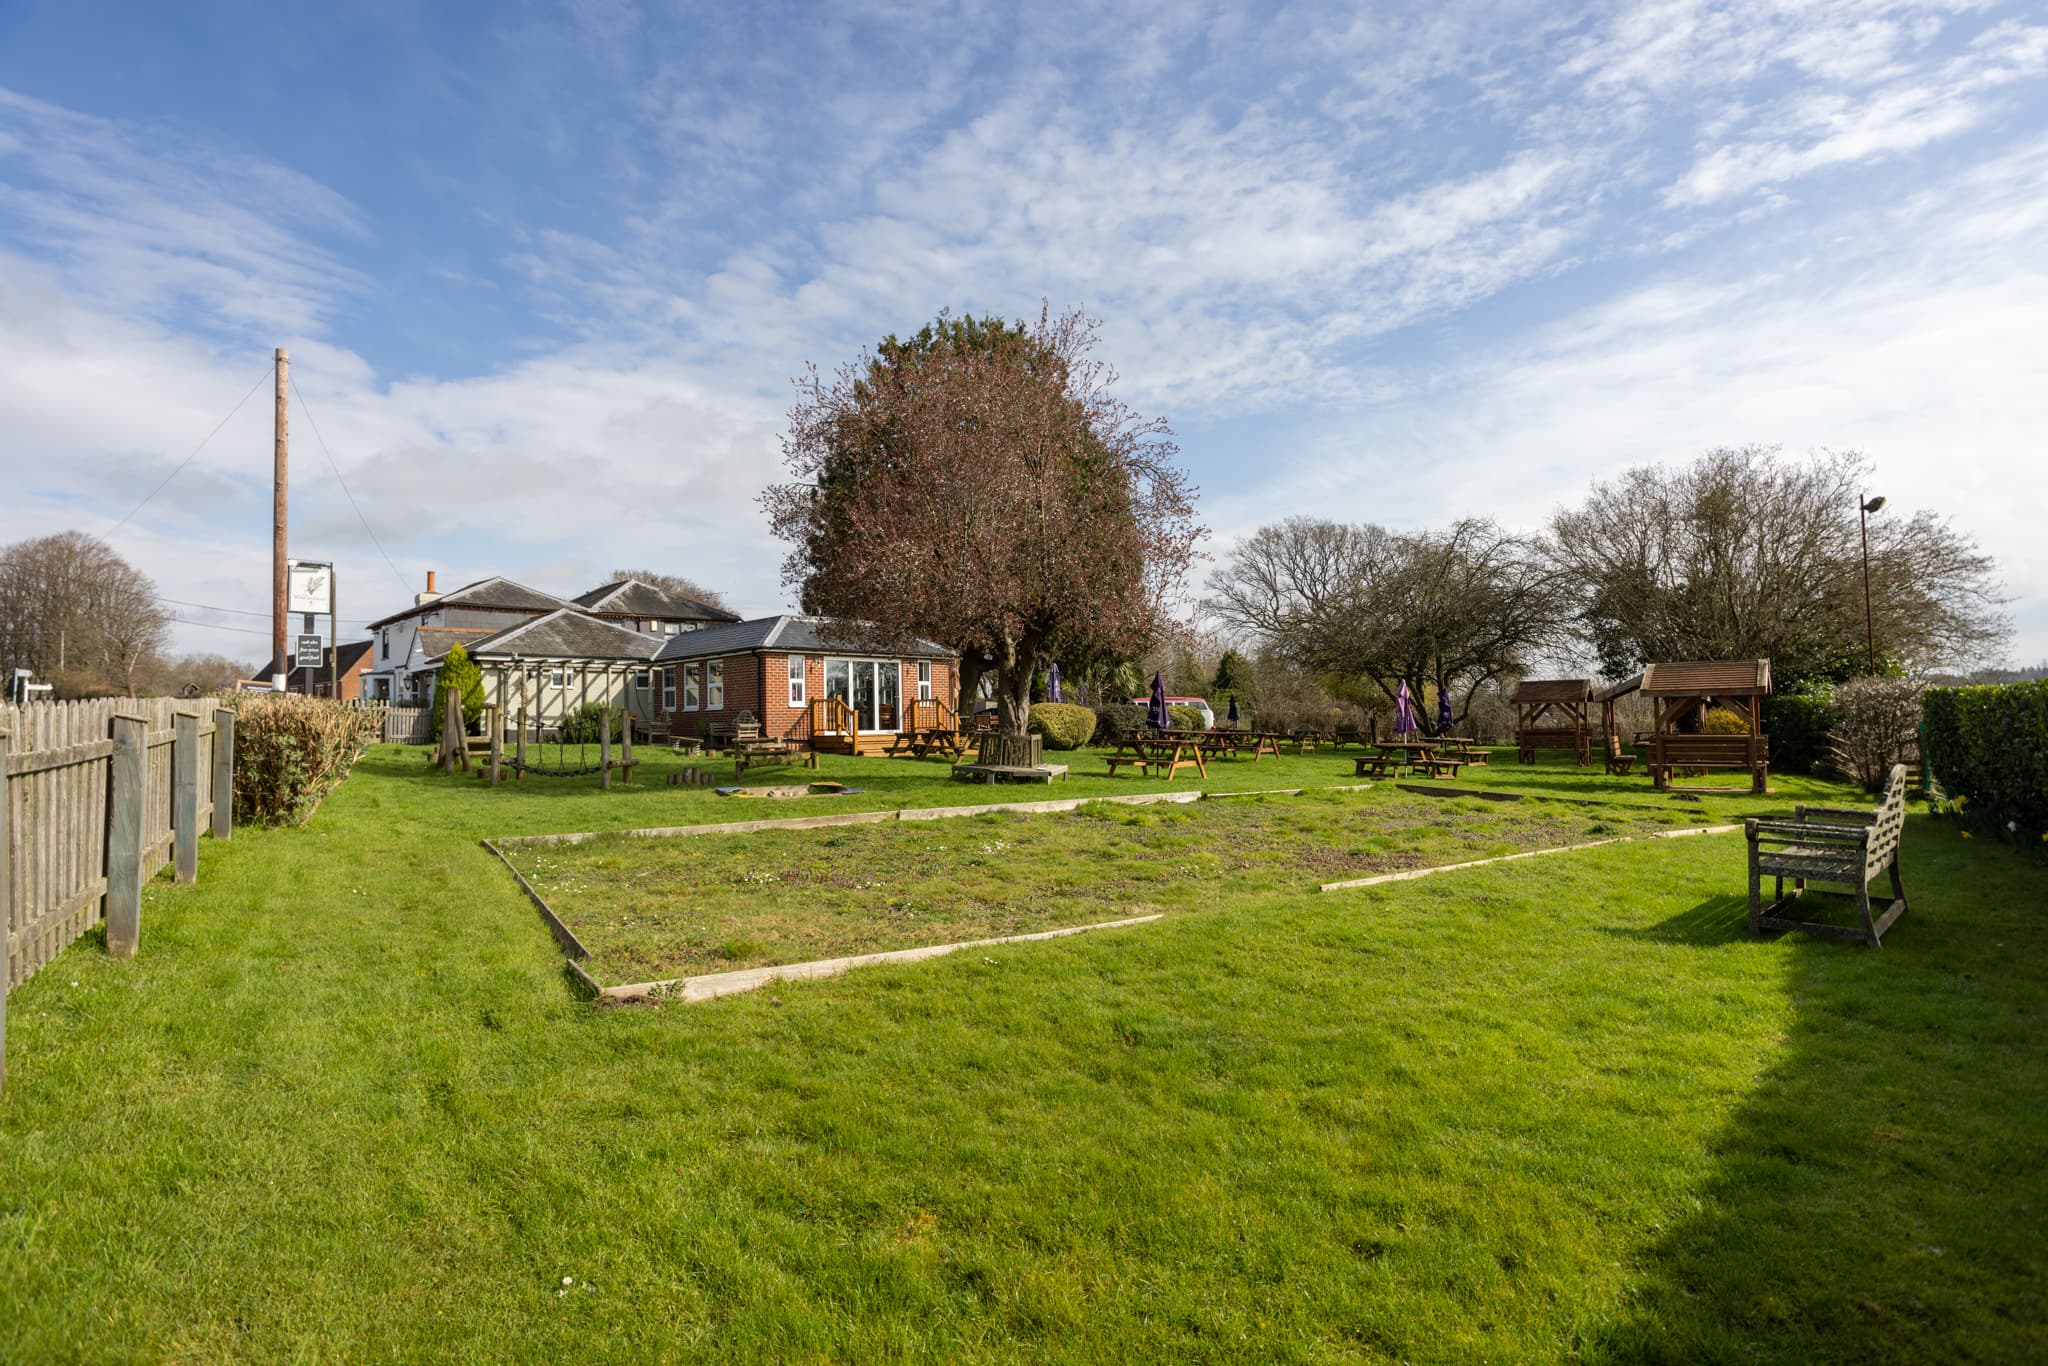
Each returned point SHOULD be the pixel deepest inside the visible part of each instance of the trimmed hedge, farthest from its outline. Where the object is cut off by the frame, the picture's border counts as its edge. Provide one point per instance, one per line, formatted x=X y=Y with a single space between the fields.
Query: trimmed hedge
x=1185 y=718
x=291 y=751
x=1798 y=724
x=1064 y=725
x=1990 y=745
x=1113 y=719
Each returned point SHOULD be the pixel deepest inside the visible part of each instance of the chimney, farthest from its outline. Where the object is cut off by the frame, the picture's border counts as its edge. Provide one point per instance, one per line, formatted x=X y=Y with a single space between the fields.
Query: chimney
x=422 y=599
x=430 y=580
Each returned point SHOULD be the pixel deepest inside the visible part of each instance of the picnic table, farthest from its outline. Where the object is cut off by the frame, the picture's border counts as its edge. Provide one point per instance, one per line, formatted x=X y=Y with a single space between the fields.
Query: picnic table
x=1166 y=751
x=1390 y=757
x=1216 y=743
x=921 y=741
x=763 y=751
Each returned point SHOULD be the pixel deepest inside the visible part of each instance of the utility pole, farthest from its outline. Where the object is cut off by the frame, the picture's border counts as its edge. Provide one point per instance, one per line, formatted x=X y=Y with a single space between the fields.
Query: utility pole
x=279 y=572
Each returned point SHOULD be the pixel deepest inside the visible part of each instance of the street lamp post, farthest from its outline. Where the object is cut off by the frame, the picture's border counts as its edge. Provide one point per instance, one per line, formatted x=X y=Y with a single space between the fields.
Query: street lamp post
x=1864 y=509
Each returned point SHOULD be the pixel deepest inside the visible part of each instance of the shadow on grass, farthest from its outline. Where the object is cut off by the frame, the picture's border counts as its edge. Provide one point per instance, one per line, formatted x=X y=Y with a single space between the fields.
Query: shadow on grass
x=1880 y=1194
x=1714 y=922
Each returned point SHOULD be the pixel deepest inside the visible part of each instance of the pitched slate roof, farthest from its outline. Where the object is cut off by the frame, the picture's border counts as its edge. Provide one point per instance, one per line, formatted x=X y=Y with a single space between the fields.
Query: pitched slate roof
x=496 y=591
x=436 y=640
x=632 y=598
x=804 y=635
x=1706 y=678
x=1533 y=690
x=568 y=633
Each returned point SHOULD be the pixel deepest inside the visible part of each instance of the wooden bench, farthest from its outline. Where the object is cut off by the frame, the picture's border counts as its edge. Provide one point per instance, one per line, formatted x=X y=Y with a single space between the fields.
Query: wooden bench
x=1845 y=847
x=1144 y=763
x=1439 y=768
x=726 y=734
x=1620 y=762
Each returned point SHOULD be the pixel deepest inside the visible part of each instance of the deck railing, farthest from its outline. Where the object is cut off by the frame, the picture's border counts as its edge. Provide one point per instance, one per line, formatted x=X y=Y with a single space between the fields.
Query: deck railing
x=832 y=716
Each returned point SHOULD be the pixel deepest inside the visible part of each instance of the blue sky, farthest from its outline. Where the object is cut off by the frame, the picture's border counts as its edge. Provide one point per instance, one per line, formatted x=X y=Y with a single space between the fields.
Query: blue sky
x=545 y=271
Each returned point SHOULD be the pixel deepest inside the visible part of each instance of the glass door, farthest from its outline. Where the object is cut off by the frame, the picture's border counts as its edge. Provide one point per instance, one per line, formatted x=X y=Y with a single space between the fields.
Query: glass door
x=839 y=680
x=889 y=677
x=864 y=693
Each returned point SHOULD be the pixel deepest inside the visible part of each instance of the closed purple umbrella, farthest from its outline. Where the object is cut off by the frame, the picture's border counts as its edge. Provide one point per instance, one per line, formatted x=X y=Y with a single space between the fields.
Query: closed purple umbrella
x=1156 y=714
x=1052 y=683
x=1232 y=718
x=1404 y=711
x=1444 y=720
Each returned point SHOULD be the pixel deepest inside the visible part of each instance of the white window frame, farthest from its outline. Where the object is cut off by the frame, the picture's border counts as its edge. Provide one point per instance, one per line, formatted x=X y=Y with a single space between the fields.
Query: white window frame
x=691 y=697
x=714 y=685
x=668 y=688
x=799 y=679
x=384 y=644
x=924 y=680
x=557 y=678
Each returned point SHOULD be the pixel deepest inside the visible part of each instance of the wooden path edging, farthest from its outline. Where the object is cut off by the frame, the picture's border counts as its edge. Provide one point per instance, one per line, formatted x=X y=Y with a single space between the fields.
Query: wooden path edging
x=710 y=986
x=707 y=986
x=1413 y=873
x=923 y=813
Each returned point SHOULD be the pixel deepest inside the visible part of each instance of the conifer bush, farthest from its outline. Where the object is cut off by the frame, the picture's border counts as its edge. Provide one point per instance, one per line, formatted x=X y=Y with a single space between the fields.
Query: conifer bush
x=459 y=673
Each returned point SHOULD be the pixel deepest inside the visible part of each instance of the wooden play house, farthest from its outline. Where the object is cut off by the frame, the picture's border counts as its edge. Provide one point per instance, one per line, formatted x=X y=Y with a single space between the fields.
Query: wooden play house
x=1682 y=697
x=1551 y=713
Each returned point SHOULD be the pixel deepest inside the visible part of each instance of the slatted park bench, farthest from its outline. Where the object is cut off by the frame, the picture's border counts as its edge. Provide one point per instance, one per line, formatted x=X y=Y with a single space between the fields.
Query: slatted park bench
x=1842 y=846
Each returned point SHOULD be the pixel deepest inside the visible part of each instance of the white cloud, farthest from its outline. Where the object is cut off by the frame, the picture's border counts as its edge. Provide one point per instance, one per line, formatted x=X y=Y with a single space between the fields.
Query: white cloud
x=1292 y=223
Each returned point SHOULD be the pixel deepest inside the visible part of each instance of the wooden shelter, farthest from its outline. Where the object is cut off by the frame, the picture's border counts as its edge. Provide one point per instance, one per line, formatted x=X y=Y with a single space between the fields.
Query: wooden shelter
x=1682 y=695
x=1551 y=713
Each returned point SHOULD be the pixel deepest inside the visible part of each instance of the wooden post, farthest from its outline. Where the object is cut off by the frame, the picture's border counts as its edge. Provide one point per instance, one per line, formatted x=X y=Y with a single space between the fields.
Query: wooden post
x=223 y=773
x=126 y=802
x=626 y=731
x=185 y=795
x=496 y=717
x=519 y=740
x=6 y=904
x=604 y=750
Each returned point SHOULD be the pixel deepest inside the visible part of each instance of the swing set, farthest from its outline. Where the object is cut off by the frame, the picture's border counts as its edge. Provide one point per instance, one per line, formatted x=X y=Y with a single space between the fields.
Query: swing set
x=456 y=747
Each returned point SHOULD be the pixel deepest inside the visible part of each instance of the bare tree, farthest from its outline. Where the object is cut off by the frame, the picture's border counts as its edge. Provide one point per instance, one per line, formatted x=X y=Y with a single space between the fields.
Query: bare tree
x=997 y=498
x=77 y=613
x=1460 y=608
x=674 y=583
x=1746 y=554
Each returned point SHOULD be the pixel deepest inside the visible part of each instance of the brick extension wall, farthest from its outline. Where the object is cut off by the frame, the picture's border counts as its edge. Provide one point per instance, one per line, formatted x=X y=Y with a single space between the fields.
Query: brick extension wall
x=759 y=683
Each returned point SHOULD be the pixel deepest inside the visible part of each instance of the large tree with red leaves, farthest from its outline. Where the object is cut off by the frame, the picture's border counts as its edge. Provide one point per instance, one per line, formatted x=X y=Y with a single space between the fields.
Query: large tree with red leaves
x=981 y=486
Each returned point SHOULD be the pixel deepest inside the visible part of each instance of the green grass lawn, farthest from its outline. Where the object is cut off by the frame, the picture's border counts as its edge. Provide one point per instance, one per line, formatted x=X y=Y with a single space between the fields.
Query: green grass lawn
x=654 y=908
x=345 y=1106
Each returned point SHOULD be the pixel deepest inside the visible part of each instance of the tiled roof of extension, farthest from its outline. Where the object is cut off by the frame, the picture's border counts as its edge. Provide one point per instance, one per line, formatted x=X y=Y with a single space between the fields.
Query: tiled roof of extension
x=804 y=635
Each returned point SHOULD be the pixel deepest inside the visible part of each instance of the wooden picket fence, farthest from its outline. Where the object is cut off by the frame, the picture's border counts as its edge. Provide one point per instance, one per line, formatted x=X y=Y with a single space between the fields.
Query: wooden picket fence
x=95 y=798
x=408 y=726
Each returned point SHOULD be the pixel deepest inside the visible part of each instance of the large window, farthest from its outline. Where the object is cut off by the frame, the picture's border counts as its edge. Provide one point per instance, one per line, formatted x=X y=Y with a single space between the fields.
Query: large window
x=558 y=678
x=668 y=688
x=714 y=685
x=871 y=687
x=924 y=680
x=797 y=680
x=691 y=701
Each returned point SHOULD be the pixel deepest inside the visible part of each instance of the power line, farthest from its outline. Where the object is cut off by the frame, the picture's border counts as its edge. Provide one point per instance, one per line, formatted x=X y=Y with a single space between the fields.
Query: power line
x=322 y=441
x=190 y=458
